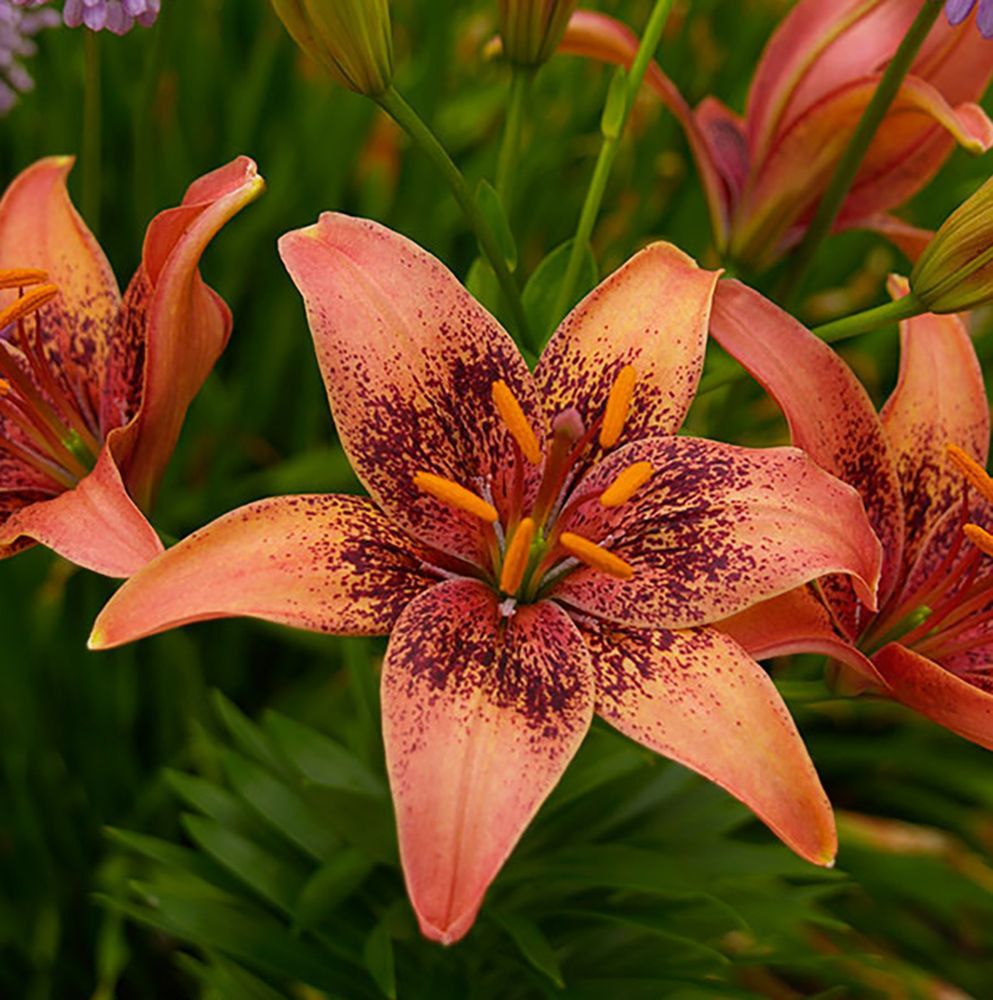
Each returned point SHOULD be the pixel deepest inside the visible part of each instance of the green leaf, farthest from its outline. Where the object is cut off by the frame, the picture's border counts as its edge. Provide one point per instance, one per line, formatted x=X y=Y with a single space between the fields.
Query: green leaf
x=491 y=208
x=246 y=735
x=533 y=944
x=378 y=954
x=541 y=291
x=615 y=108
x=330 y=886
x=481 y=283
x=228 y=979
x=170 y=856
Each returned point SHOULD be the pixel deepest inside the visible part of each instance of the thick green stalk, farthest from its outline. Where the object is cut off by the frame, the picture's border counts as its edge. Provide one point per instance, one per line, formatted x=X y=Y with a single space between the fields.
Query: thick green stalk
x=92 y=130
x=408 y=119
x=848 y=166
x=608 y=153
x=510 y=147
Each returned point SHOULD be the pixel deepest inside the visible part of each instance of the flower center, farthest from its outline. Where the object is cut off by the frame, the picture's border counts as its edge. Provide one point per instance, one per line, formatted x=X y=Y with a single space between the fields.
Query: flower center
x=529 y=551
x=40 y=420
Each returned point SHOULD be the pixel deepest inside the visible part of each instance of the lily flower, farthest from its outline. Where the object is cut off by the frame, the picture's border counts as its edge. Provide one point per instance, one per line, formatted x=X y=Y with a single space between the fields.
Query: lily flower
x=94 y=387
x=918 y=465
x=541 y=547
x=958 y=10
x=764 y=173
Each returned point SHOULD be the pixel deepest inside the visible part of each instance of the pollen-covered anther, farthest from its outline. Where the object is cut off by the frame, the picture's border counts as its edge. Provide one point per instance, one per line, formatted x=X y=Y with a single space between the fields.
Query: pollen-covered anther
x=515 y=560
x=974 y=473
x=516 y=422
x=595 y=556
x=28 y=303
x=456 y=496
x=618 y=407
x=979 y=537
x=22 y=277
x=626 y=484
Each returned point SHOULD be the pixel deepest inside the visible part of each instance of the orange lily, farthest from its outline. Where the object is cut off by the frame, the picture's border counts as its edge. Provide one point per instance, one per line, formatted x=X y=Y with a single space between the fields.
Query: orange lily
x=94 y=388
x=540 y=547
x=918 y=465
x=764 y=174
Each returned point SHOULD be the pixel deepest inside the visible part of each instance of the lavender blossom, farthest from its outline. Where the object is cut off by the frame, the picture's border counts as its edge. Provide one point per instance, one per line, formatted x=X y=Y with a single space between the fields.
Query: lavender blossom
x=118 y=16
x=17 y=29
x=958 y=10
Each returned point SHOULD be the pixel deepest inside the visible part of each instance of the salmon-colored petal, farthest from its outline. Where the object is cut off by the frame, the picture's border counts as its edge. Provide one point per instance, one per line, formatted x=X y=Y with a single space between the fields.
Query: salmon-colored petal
x=926 y=687
x=956 y=60
x=39 y=227
x=715 y=530
x=940 y=399
x=409 y=360
x=173 y=327
x=95 y=525
x=653 y=314
x=481 y=715
x=698 y=698
x=597 y=36
x=322 y=563
x=724 y=133
x=830 y=416
x=796 y=622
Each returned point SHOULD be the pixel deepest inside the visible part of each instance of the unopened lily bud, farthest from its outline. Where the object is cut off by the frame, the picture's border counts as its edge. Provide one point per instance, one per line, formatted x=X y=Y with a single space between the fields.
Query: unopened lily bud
x=532 y=29
x=955 y=272
x=352 y=39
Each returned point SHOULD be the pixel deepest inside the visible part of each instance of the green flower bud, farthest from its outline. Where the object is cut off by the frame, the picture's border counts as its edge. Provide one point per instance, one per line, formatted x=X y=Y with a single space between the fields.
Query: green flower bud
x=532 y=29
x=352 y=39
x=955 y=272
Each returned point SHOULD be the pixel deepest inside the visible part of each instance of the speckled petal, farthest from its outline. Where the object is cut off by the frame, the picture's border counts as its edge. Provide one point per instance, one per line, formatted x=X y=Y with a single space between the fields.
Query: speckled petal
x=96 y=525
x=409 y=359
x=926 y=687
x=481 y=715
x=172 y=329
x=716 y=529
x=39 y=227
x=829 y=413
x=940 y=399
x=323 y=563
x=698 y=698
x=651 y=313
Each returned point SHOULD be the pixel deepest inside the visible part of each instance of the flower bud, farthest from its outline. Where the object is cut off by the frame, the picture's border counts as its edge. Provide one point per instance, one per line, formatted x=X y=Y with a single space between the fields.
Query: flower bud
x=955 y=272
x=352 y=39
x=532 y=29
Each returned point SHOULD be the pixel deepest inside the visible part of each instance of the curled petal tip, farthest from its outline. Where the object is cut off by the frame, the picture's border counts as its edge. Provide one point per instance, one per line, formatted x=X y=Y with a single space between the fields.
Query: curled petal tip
x=97 y=641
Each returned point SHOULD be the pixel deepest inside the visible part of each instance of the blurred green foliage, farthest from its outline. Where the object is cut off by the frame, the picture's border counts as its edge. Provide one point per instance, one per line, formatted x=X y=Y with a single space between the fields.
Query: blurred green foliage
x=245 y=857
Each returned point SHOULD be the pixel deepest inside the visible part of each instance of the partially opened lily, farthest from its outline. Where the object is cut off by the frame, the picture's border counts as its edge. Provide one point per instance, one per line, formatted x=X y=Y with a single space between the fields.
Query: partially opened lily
x=93 y=387
x=540 y=546
x=919 y=467
x=764 y=174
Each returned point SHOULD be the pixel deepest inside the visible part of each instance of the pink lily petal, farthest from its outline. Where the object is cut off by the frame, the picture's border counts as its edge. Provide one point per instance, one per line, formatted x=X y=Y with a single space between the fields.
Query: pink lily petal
x=172 y=329
x=957 y=61
x=652 y=313
x=409 y=359
x=926 y=687
x=481 y=715
x=95 y=525
x=940 y=399
x=830 y=416
x=322 y=563
x=39 y=227
x=724 y=133
x=715 y=530
x=796 y=622
x=597 y=36
x=698 y=698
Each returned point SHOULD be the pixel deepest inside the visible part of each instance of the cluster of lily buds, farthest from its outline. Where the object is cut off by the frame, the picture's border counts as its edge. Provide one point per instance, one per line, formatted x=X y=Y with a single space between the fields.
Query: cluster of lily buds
x=17 y=30
x=955 y=272
x=532 y=29
x=352 y=39
x=118 y=16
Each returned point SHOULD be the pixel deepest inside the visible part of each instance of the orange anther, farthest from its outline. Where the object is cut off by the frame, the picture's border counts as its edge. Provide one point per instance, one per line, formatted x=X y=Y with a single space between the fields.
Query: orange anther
x=455 y=496
x=626 y=484
x=22 y=277
x=27 y=304
x=618 y=406
x=974 y=473
x=517 y=423
x=595 y=556
x=979 y=537
x=515 y=560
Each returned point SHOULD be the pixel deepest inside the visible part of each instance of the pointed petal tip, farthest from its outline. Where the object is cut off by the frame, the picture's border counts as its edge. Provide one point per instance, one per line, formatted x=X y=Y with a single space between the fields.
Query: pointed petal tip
x=97 y=641
x=453 y=932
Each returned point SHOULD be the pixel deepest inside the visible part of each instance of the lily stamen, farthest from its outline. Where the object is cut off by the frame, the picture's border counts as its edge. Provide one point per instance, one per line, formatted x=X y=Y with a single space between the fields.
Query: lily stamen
x=627 y=482
x=618 y=406
x=28 y=303
x=974 y=473
x=595 y=556
x=516 y=422
x=456 y=496
x=22 y=277
x=515 y=560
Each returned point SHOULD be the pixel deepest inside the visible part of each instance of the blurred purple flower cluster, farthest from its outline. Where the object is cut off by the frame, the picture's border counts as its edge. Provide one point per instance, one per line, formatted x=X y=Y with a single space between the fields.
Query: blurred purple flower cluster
x=17 y=30
x=118 y=16
x=959 y=10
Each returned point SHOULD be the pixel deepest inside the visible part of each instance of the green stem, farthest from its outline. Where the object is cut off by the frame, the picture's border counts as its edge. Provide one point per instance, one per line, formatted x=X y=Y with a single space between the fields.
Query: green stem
x=92 y=141
x=608 y=153
x=408 y=119
x=510 y=147
x=858 y=146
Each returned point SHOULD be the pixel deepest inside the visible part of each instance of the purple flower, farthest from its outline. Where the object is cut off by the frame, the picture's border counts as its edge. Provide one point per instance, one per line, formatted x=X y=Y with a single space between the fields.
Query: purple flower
x=958 y=10
x=118 y=16
x=17 y=28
